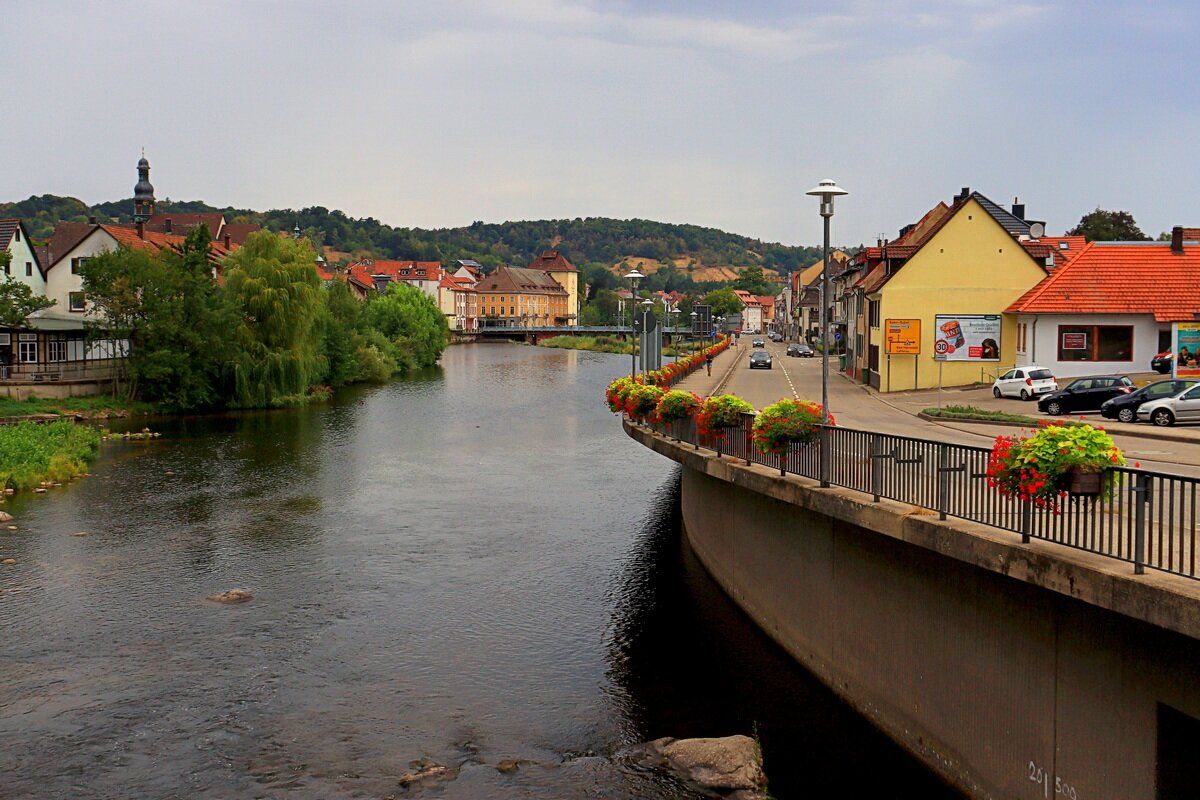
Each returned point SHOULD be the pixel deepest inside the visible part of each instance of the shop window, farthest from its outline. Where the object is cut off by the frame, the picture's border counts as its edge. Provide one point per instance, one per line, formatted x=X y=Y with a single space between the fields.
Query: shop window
x=1095 y=343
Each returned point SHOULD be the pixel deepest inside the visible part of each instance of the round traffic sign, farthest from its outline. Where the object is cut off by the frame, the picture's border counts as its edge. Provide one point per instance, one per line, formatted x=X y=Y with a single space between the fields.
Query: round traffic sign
x=941 y=347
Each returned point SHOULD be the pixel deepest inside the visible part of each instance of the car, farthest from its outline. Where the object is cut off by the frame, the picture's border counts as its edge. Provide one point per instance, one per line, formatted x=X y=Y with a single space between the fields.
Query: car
x=758 y=343
x=775 y=337
x=1025 y=383
x=1085 y=394
x=800 y=351
x=760 y=359
x=1162 y=362
x=1183 y=407
x=1124 y=407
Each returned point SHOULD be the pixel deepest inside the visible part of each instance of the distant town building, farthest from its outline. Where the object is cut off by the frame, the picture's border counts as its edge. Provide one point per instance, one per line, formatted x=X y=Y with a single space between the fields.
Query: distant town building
x=556 y=265
x=518 y=298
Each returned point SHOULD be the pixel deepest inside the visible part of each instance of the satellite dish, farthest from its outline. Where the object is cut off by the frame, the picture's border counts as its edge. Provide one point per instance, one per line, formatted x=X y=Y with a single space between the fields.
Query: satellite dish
x=1037 y=230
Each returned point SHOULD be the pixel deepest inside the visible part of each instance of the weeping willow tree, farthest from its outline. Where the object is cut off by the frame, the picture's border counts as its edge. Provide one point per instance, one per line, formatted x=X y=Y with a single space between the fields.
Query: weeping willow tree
x=272 y=281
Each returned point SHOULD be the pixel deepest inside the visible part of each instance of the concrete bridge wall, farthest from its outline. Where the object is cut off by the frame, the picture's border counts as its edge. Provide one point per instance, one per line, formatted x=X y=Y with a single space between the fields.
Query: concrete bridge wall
x=1028 y=671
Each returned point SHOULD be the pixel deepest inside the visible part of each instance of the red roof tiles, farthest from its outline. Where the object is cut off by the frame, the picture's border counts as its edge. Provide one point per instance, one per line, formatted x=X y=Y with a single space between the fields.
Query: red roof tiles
x=1121 y=278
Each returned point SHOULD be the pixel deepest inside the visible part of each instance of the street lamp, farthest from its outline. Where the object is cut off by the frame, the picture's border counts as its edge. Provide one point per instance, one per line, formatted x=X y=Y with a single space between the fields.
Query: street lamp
x=826 y=190
x=633 y=276
x=693 y=316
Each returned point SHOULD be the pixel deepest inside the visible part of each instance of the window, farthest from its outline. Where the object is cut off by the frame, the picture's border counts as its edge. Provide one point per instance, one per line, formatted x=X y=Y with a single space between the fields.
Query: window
x=873 y=313
x=76 y=264
x=512 y=311
x=8 y=269
x=17 y=233
x=28 y=269
x=75 y=301
x=56 y=350
x=1022 y=333
x=1095 y=342
x=27 y=351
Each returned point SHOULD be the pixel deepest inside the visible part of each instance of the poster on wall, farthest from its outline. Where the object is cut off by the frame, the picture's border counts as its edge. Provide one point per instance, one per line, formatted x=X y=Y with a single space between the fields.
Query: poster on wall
x=1074 y=341
x=1186 y=346
x=966 y=337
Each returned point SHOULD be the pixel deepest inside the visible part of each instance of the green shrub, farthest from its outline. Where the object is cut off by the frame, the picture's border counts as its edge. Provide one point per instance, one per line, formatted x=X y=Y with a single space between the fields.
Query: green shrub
x=58 y=451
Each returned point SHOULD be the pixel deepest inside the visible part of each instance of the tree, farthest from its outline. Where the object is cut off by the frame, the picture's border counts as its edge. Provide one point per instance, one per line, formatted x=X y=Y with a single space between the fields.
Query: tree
x=752 y=280
x=17 y=300
x=1108 y=226
x=411 y=320
x=723 y=302
x=272 y=282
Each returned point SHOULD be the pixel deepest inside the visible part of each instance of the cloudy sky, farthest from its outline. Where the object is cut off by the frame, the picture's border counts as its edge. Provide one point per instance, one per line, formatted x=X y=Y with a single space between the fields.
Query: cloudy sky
x=716 y=113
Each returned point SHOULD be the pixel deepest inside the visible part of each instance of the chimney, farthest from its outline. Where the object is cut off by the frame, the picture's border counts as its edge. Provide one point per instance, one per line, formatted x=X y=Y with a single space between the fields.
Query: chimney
x=1018 y=209
x=167 y=224
x=141 y=229
x=963 y=195
x=1177 y=240
x=227 y=241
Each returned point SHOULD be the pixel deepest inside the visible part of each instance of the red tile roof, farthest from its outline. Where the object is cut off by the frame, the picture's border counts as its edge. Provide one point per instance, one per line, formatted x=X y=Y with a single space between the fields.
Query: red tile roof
x=552 y=261
x=400 y=270
x=1121 y=278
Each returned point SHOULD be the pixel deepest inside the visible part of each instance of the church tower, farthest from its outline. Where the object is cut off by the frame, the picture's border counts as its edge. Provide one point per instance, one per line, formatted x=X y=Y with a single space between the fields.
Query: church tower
x=143 y=193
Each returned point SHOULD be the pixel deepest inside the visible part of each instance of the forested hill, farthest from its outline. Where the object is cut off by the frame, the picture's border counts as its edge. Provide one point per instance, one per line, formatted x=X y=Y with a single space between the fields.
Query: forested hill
x=594 y=240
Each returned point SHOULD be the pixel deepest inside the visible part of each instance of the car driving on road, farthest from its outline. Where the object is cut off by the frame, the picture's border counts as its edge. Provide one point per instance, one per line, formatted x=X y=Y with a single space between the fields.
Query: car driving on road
x=758 y=343
x=760 y=359
x=1085 y=394
x=800 y=351
x=1183 y=407
x=1124 y=407
x=1025 y=383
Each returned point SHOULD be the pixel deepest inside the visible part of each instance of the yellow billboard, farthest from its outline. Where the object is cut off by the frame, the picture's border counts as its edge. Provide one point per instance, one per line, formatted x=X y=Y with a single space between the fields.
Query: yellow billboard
x=903 y=337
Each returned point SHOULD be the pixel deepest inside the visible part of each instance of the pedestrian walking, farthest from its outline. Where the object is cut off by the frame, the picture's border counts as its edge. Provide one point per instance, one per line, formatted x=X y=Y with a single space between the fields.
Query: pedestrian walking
x=708 y=362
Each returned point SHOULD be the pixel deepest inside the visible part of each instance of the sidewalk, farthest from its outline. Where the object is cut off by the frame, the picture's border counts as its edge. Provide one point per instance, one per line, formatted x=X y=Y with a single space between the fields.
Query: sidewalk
x=724 y=363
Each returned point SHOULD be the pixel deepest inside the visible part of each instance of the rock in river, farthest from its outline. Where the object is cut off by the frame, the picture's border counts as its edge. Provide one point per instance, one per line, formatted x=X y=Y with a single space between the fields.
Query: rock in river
x=231 y=596
x=8 y=562
x=731 y=765
x=5 y=516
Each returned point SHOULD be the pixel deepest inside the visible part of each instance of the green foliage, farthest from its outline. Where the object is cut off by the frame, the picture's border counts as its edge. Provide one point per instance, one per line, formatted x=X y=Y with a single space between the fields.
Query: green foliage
x=677 y=404
x=724 y=302
x=57 y=451
x=778 y=425
x=40 y=214
x=972 y=412
x=1036 y=468
x=272 y=282
x=17 y=300
x=411 y=321
x=719 y=412
x=1108 y=226
x=176 y=318
x=752 y=280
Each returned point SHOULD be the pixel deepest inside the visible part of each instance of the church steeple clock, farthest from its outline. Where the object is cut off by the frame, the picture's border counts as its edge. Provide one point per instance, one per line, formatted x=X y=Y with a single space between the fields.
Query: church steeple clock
x=143 y=193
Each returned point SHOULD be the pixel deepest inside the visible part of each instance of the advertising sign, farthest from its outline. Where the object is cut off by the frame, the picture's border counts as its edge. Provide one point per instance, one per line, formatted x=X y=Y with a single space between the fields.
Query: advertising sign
x=1186 y=336
x=902 y=337
x=966 y=337
x=1074 y=341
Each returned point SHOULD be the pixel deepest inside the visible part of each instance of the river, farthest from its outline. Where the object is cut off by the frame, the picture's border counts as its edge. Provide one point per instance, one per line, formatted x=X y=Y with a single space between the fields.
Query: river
x=471 y=565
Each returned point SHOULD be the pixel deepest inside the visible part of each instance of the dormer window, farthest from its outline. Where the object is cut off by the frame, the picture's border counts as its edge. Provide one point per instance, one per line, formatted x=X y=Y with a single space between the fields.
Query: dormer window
x=1064 y=245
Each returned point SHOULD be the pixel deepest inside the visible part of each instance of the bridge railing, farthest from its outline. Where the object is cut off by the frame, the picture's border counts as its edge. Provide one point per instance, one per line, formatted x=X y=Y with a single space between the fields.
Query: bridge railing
x=1149 y=519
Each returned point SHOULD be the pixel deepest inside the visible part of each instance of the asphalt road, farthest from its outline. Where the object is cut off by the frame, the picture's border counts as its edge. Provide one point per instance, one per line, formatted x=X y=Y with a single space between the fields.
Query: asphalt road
x=854 y=407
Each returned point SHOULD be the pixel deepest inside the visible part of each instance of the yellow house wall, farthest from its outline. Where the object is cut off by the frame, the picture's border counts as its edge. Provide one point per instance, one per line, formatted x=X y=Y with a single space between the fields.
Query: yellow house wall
x=972 y=266
x=569 y=281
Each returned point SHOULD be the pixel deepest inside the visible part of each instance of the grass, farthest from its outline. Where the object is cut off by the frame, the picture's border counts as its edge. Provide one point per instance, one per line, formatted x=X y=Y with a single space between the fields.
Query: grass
x=596 y=344
x=31 y=454
x=971 y=412
x=93 y=406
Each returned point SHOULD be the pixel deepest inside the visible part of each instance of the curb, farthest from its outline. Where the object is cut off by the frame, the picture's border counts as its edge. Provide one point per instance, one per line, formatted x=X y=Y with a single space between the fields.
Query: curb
x=728 y=373
x=1147 y=433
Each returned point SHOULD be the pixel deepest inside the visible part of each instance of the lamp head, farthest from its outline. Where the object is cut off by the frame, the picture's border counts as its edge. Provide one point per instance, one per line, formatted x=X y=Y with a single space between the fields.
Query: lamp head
x=826 y=190
x=634 y=275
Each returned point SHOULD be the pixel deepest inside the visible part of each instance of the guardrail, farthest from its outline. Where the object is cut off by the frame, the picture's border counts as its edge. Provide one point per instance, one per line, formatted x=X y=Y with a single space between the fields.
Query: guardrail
x=1150 y=520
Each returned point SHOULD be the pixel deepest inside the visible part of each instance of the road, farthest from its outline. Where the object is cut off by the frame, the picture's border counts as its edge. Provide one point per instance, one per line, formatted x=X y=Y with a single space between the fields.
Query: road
x=855 y=407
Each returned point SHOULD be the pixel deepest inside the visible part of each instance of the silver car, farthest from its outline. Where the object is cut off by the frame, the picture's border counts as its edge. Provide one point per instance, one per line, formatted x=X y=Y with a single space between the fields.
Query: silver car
x=1183 y=407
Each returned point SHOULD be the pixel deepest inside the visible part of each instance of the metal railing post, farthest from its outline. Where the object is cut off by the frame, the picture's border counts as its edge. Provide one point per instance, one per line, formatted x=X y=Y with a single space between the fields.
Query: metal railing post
x=1026 y=520
x=1141 y=491
x=876 y=472
x=943 y=476
x=823 y=440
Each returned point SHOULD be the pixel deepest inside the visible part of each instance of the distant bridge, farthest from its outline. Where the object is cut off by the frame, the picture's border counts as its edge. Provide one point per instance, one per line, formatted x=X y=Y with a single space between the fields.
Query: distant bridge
x=537 y=333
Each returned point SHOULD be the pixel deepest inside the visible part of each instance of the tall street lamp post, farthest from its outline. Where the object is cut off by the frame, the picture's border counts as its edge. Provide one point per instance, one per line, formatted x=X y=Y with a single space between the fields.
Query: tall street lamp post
x=826 y=190
x=633 y=276
x=646 y=304
x=694 y=315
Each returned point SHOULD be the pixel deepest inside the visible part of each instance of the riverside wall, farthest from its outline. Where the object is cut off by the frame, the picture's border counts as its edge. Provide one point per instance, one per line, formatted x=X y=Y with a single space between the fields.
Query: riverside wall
x=1013 y=670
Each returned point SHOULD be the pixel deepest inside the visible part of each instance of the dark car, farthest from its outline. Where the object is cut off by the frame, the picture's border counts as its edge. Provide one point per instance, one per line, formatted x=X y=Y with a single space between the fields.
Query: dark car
x=1161 y=363
x=1124 y=407
x=800 y=351
x=758 y=343
x=1085 y=394
x=760 y=358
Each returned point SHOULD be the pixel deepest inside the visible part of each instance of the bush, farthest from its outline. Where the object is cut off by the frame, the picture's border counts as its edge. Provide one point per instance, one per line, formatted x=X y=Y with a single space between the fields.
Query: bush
x=719 y=412
x=58 y=451
x=676 y=405
x=1037 y=468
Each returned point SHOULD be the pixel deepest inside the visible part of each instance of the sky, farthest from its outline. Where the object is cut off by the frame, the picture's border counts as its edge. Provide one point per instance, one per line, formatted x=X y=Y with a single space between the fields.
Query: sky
x=435 y=114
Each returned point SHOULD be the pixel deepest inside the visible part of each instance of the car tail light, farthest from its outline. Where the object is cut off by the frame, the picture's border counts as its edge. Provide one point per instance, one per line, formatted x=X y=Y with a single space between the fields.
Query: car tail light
x=1029 y=381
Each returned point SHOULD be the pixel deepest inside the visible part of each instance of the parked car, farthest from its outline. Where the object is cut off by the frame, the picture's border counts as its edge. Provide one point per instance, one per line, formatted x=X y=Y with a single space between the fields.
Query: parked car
x=1025 y=382
x=760 y=359
x=1162 y=362
x=1124 y=407
x=800 y=351
x=775 y=336
x=758 y=343
x=1183 y=407
x=1085 y=394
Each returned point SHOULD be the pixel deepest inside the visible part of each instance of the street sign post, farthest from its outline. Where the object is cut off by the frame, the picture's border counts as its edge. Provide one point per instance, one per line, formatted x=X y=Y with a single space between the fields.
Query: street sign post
x=902 y=337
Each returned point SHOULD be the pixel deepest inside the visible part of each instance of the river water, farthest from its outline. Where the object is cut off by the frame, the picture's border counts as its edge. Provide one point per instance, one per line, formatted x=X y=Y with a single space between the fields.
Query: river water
x=469 y=566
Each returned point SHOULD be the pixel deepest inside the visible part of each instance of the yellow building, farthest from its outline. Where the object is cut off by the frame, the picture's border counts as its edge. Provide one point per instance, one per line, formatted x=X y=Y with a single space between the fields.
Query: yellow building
x=957 y=281
x=566 y=275
x=512 y=297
